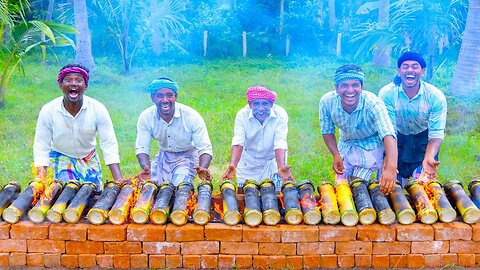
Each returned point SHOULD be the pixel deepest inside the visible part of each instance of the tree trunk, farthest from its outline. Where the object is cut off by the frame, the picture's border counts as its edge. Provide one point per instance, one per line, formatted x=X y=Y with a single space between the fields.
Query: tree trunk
x=47 y=18
x=381 y=56
x=282 y=11
x=156 y=35
x=465 y=78
x=83 y=42
x=332 y=17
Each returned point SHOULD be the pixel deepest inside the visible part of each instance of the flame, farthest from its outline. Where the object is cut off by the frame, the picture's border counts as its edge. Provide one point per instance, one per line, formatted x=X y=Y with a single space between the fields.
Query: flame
x=42 y=179
x=319 y=204
x=280 y=197
x=433 y=194
x=191 y=203
x=218 y=204
x=422 y=203
x=308 y=201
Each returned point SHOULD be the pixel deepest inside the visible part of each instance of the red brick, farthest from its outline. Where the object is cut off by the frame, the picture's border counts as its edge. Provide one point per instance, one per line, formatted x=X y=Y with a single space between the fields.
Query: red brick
x=452 y=231
x=71 y=232
x=299 y=233
x=173 y=261
x=69 y=261
x=432 y=260
x=86 y=260
x=430 y=247
x=146 y=232
x=448 y=259
x=380 y=261
x=276 y=262
x=315 y=248
x=52 y=260
x=391 y=247
x=337 y=233
x=260 y=262
x=161 y=248
x=139 y=260
x=226 y=261
x=242 y=248
x=200 y=247
x=156 y=261
x=17 y=259
x=353 y=247
x=346 y=261
x=87 y=247
x=363 y=261
x=125 y=247
x=107 y=233
x=294 y=262
x=477 y=260
x=46 y=246
x=243 y=261
x=29 y=230
x=376 y=233
x=414 y=232
x=398 y=261
x=415 y=260
x=223 y=232
x=311 y=261
x=35 y=259
x=209 y=261
x=9 y=245
x=187 y=232
x=191 y=261
x=277 y=249
x=262 y=233
x=475 y=231
x=121 y=260
x=462 y=246
x=329 y=261
x=4 y=230
x=466 y=260
x=4 y=259
x=104 y=261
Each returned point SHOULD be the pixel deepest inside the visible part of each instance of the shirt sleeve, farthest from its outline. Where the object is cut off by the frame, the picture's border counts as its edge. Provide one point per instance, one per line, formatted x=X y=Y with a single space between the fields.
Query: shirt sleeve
x=437 y=119
x=388 y=99
x=200 y=137
x=382 y=120
x=239 y=130
x=43 y=139
x=280 y=141
x=144 y=135
x=326 y=123
x=106 y=133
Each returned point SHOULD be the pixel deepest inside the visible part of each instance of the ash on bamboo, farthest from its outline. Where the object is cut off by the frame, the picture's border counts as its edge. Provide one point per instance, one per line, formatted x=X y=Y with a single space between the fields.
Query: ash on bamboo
x=38 y=213
x=8 y=194
x=425 y=211
x=55 y=213
x=75 y=209
x=98 y=214
x=386 y=216
x=231 y=215
x=141 y=211
x=467 y=209
x=22 y=203
x=363 y=203
x=161 y=208
x=440 y=202
x=403 y=210
x=348 y=213
x=329 y=206
x=310 y=210
x=252 y=214
x=293 y=214
x=271 y=213
x=201 y=215
x=120 y=209
x=183 y=194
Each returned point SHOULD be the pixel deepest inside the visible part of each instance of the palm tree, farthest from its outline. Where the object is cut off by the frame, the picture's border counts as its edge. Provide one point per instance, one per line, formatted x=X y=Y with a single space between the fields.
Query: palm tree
x=381 y=56
x=84 y=44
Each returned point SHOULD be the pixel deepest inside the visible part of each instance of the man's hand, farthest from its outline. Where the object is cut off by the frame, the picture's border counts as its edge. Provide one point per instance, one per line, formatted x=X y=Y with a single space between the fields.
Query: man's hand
x=430 y=168
x=285 y=173
x=338 y=165
x=387 y=179
x=203 y=173
x=229 y=173
x=145 y=174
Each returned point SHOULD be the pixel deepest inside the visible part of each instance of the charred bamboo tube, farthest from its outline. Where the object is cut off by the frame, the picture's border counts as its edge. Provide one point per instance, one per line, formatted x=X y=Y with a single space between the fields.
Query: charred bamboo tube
x=293 y=214
x=201 y=215
x=271 y=213
x=440 y=202
x=179 y=214
x=231 y=215
x=363 y=203
x=119 y=212
x=252 y=214
x=469 y=212
x=7 y=195
x=161 y=208
x=75 y=209
x=403 y=210
x=329 y=206
x=348 y=213
x=311 y=213
x=425 y=211
x=98 y=214
x=14 y=212
x=38 y=213
x=386 y=216
x=473 y=187
x=141 y=210
x=55 y=213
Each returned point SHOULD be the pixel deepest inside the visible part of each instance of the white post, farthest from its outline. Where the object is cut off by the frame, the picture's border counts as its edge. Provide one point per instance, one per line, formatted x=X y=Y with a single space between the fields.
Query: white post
x=244 y=39
x=205 y=41
x=287 y=45
x=339 y=44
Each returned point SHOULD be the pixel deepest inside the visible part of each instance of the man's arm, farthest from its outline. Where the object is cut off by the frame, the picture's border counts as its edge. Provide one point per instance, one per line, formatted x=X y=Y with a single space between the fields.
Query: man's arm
x=331 y=143
x=389 y=167
x=202 y=168
x=236 y=155
x=116 y=172
x=430 y=165
x=144 y=161
x=283 y=170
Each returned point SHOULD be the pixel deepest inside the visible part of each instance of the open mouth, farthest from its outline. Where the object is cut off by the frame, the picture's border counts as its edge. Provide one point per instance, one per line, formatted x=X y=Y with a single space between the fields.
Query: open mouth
x=73 y=93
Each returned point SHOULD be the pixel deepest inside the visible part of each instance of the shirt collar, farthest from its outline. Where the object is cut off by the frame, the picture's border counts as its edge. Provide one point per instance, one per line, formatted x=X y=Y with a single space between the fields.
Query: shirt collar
x=359 y=105
x=421 y=91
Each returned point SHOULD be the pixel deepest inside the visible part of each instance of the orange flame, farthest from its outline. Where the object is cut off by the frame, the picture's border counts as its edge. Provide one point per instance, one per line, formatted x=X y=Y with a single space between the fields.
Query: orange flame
x=422 y=203
x=191 y=204
x=218 y=204
x=280 y=197
x=308 y=201
x=43 y=179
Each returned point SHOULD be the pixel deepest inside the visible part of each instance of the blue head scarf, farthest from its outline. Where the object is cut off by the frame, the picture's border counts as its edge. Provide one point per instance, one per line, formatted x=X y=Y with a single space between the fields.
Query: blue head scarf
x=162 y=83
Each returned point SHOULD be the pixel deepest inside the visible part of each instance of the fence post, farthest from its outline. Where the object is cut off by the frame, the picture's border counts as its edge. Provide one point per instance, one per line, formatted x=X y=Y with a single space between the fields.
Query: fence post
x=244 y=42
x=205 y=42
x=287 y=45
x=339 y=44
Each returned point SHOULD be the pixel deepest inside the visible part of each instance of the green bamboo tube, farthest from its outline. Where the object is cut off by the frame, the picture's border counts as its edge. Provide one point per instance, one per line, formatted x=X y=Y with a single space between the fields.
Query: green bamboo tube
x=75 y=209
x=348 y=213
x=293 y=214
x=14 y=212
x=119 y=212
x=474 y=188
x=252 y=214
x=141 y=211
x=363 y=203
x=231 y=215
x=311 y=212
x=329 y=207
x=163 y=202
x=469 y=212
x=38 y=213
x=55 y=213
x=7 y=195
x=183 y=194
x=201 y=215
x=439 y=200
x=403 y=210
x=98 y=214
x=386 y=216
x=425 y=211
x=271 y=213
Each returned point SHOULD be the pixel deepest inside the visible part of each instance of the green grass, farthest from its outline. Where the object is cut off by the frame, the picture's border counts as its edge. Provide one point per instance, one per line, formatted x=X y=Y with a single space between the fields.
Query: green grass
x=217 y=90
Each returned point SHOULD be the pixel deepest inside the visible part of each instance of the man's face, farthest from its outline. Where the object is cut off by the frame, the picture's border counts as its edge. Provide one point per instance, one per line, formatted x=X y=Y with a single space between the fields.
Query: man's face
x=165 y=99
x=410 y=72
x=349 y=92
x=73 y=87
x=261 y=108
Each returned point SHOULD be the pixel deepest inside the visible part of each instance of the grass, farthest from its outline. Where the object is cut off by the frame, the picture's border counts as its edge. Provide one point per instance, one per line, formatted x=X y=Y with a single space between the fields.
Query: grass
x=216 y=89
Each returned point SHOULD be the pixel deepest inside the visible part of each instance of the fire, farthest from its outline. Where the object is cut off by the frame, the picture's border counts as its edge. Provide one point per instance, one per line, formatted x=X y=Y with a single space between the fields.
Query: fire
x=319 y=204
x=218 y=204
x=191 y=204
x=42 y=186
x=280 y=197
x=308 y=201
x=422 y=203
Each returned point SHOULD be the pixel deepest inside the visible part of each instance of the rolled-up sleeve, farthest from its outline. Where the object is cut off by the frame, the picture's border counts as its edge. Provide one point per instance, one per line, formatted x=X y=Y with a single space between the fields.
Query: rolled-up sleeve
x=144 y=135
x=108 y=140
x=437 y=119
x=239 y=130
x=200 y=137
x=382 y=120
x=281 y=131
x=326 y=124
x=43 y=140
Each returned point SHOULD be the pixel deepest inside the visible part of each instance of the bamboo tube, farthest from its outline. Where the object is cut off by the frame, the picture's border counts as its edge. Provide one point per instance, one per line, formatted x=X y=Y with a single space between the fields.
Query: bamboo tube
x=425 y=211
x=38 y=213
x=271 y=213
x=439 y=200
x=311 y=213
x=473 y=187
x=293 y=214
x=403 y=210
x=469 y=212
x=119 y=212
x=55 y=213
x=363 y=203
x=201 y=215
x=163 y=202
x=330 y=212
x=14 y=212
x=141 y=211
x=348 y=213
x=98 y=214
x=252 y=214
x=179 y=214
x=386 y=216
x=7 y=195
x=75 y=209
x=231 y=215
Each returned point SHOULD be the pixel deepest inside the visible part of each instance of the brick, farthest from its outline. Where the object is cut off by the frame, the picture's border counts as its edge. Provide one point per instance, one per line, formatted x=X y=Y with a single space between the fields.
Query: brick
x=69 y=261
x=299 y=233
x=146 y=232
x=329 y=261
x=87 y=261
x=139 y=261
x=475 y=231
x=223 y=232
x=414 y=232
x=104 y=261
x=466 y=260
x=4 y=259
x=337 y=233
x=380 y=261
x=477 y=260
x=243 y=261
x=187 y=232
x=200 y=247
x=87 y=247
x=35 y=259
x=276 y=262
x=156 y=261
x=415 y=260
x=452 y=231
x=124 y=247
x=29 y=230
x=4 y=230
x=294 y=262
x=391 y=247
x=376 y=233
x=432 y=260
x=346 y=261
x=121 y=261
x=277 y=249
x=226 y=261
x=107 y=233
x=448 y=259
x=52 y=260
x=17 y=259
x=10 y=245
x=260 y=262
x=398 y=261
x=173 y=261
x=262 y=233
x=161 y=248
x=430 y=247
x=315 y=248
x=242 y=248
x=46 y=246
x=363 y=261
x=191 y=261
x=311 y=261
x=462 y=246
x=209 y=261
x=353 y=247
x=71 y=232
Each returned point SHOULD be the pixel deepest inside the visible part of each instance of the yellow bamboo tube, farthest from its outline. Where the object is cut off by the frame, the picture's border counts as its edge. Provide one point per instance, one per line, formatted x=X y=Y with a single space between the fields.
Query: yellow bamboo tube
x=363 y=203
x=120 y=209
x=271 y=213
x=141 y=211
x=329 y=206
x=75 y=209
x=439 y=200
x=38 y=213
x=293 y=214
x=469 y=212
x=348 y=213
x=163 y=202
x=183 y=194
x=98 y=214
x=55 y=213
x=403 y=210
x=231 y=215
x=425 y=211
x=8 y=194
x=201 y=215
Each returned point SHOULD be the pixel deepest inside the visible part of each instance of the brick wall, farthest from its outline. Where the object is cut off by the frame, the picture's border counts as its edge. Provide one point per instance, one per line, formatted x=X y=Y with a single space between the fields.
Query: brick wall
x=221 y=246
